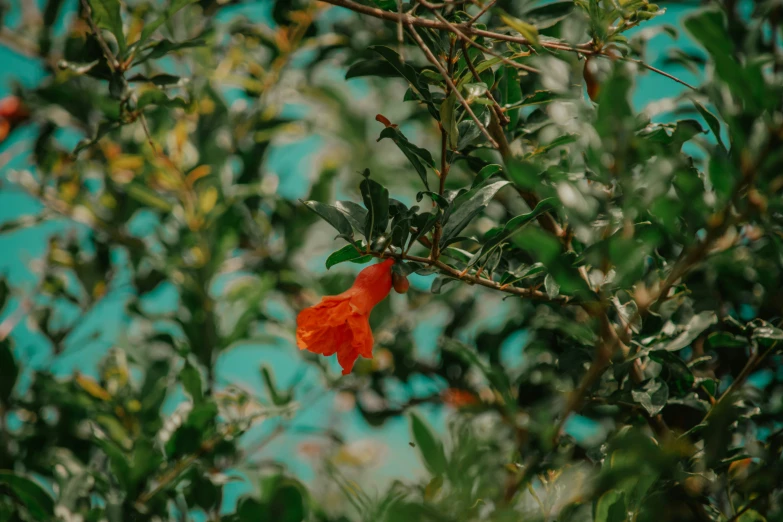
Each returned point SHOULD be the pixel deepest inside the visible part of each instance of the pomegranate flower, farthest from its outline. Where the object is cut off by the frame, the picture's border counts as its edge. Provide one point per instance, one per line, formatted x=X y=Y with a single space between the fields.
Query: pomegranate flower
x=340 y=323
x=12 y=113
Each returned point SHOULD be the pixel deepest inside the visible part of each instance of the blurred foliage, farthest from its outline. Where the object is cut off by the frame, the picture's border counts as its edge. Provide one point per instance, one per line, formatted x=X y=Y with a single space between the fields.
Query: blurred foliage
x=640 y=255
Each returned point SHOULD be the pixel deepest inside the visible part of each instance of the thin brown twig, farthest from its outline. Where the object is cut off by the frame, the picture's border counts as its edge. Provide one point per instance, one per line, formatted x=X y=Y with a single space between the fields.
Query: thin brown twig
x=114 y=64
x=503 y=119
x=471 y=279
x=431 y=57
x=468 y=40
x=478 y=15
x=409 y=20
x=656 y=70
x=545 y=219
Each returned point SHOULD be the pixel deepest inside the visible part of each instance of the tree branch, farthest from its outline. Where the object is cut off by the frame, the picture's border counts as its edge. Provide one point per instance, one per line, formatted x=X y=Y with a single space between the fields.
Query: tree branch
x=431 y=57
x=468 y=29
x=475 y=280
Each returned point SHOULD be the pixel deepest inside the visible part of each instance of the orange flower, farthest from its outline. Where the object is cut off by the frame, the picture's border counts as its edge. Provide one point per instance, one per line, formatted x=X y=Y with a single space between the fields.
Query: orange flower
x=457 y=398
x=340 y=323
x=12 y=113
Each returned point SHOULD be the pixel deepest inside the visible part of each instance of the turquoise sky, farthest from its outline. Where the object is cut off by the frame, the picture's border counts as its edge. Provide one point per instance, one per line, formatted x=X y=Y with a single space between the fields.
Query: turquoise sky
x=241 y=365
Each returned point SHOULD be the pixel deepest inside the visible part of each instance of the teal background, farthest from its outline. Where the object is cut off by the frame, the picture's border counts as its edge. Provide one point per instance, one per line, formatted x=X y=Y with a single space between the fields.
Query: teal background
x=240 y=365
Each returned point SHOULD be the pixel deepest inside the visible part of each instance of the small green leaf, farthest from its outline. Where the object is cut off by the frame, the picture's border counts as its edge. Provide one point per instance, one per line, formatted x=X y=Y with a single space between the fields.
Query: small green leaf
x=191 y=381
x=106 y=14
x=549 y=14
x=528 y=31
x=419 y=157
x=9 y=370
x=610 y=507
x=448 y=119
x=148 y=197
x=537 y=98
x=332 y=216
x=430 y=448
x=151 y=27
x=698 y=324
x=347 y=253
x=551 y=287
x=468 y=206
x=158 y=97
x=376 y=199
x=485 y=173
x=288 y=503
x=278 y=399
x=356 y=214
x=767 y=331
x=377 y=68
x=405 y=70
x=164 y=47
x=31 y=495
x=652 y=397
x=712 y=122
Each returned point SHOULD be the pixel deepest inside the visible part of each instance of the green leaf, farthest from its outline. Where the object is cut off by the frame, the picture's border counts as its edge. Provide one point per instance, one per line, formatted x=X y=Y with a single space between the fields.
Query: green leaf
x=548 y=15
x=653 y=396
x=468 y=206
x=485 y=173
x=347 y=253
x=695 y=327
x=158 y=97
x=77 y=68
x=528 y=31
x=31 y=495
x=376 y=199
x=767 y=331
x=510 y=94
x=401 y=226
x=536 y=98
x=278 y=399
x=610 y=507
x=439 y=200
x=548 y=251
x=448 y=119
x=751 y=515
x=377 y=68
x=160 y=80
x=106 y=15
x=356 y=214
x=430 y=448
x=404 y=69
x=151 y=27
x=725 y=340
x=419 y=158
x=251 y=510
x=9 y=371
x=145 y=196
x=676 y=373
x=423 y=223
x=551 y=287
x=104 y=128
x=712 y=122
x=164 y=47
x=191 y=381
x=5 y=291
x=331 y=215
x=288 y=503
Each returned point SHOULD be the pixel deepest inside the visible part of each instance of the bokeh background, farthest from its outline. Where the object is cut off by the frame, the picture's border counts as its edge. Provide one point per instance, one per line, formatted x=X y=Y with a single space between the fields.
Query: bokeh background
x=293 y=163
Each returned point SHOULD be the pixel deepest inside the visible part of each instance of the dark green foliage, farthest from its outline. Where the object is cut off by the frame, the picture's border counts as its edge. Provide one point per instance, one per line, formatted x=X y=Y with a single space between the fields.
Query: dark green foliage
x=603 y=325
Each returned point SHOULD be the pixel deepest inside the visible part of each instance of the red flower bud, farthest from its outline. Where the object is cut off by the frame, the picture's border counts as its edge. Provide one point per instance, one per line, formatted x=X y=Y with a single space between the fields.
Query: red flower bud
x=13 y=110
x=400 y=283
